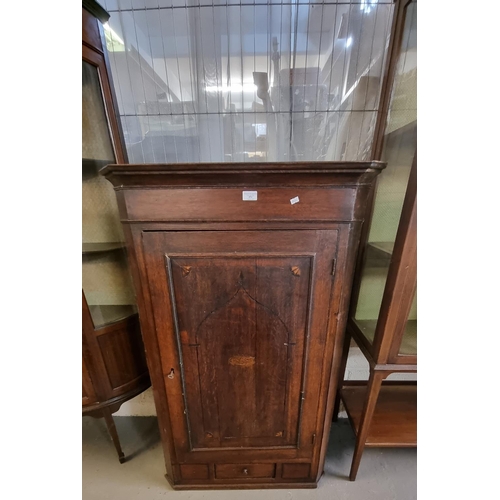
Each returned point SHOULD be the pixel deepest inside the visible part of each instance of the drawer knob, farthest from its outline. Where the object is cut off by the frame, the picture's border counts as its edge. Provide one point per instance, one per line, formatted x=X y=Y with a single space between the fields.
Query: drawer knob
x=245 y=471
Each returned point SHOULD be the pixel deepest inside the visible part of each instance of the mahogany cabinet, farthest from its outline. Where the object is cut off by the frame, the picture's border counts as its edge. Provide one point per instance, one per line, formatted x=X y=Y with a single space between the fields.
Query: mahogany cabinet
x=243 y=275
x=114 y=367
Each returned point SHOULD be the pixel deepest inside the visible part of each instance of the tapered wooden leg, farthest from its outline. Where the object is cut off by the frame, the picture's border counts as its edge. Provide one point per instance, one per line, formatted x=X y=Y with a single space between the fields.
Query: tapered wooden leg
x=110 y=424
x=373 y=390
x=341 y=375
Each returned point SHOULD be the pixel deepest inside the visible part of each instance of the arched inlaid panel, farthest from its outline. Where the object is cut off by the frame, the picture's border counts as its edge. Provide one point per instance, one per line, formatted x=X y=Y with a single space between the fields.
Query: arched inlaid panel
x=242 y=341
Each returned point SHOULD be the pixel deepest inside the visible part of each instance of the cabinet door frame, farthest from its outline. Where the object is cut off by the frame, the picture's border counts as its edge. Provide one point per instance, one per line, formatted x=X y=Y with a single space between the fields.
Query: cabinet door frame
x=391 y=320
x=401 y=283
x=157 y=245
x=97 y=60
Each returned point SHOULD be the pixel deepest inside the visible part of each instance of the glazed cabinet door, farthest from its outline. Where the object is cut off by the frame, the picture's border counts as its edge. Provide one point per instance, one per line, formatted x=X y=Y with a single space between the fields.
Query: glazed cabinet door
x=241 y=319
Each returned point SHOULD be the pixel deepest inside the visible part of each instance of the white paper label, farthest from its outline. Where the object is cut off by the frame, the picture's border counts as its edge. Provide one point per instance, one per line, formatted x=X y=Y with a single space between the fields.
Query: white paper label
x=294 y=200
x=249 y=195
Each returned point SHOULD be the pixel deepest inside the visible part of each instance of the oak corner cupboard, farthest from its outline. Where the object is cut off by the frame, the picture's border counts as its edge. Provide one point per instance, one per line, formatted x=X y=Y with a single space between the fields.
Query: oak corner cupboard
x=243 y=276
x=113 y=360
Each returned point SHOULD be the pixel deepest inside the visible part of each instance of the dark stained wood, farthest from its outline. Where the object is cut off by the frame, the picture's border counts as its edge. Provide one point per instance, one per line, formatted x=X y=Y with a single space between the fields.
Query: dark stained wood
x=153 y=174
x=239 y=385
x=123 y=355
x=88 y=392
x=248 y=394
x=90 y=31
x=243 y=310
x=110 y=424
x=272 y=204
x=239 y=484
x=113 y=368
x=294 y=471
x=190 y=471
x=332 y=350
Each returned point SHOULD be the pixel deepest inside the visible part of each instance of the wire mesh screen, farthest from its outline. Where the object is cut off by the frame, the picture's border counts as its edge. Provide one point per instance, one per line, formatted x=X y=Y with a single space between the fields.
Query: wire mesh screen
x=252 y=80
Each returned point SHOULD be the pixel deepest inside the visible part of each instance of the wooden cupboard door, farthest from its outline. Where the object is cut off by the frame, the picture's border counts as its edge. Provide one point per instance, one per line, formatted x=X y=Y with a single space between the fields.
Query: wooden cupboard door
x=236 y=314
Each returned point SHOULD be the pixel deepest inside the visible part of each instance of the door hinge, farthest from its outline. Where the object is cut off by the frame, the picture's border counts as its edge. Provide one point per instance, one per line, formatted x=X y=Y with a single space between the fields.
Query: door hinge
x=334 y=265
x=313 y=440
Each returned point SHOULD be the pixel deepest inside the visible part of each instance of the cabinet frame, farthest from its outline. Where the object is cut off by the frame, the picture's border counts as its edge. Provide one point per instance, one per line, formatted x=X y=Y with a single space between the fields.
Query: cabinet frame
x=377 y=395
x=100 y=344
x=162 y=198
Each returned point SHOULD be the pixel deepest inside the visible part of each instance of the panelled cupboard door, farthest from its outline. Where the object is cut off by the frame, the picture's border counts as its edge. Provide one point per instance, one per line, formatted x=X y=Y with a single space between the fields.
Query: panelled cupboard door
x=241 y=332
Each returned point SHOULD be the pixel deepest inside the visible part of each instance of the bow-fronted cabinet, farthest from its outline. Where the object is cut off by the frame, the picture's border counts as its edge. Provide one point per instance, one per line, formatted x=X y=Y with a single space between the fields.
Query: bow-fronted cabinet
x=114 y=365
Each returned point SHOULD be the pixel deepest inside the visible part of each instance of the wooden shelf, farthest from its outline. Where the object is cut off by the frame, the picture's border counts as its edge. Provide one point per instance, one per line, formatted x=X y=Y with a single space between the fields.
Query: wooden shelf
x=101 y=247
x=394 y=422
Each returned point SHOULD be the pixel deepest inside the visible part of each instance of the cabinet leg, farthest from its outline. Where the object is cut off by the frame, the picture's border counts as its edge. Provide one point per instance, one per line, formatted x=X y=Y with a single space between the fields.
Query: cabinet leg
x=341 y=375
x=110 y=424
x=373 y=390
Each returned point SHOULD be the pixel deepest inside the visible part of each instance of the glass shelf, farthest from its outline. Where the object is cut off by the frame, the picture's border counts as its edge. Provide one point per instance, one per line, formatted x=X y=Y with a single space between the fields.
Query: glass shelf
x=105 y=315
x=409 y=342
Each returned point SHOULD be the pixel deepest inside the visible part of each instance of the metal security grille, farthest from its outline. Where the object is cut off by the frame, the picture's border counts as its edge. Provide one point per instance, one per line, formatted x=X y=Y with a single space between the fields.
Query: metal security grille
x=213 y=80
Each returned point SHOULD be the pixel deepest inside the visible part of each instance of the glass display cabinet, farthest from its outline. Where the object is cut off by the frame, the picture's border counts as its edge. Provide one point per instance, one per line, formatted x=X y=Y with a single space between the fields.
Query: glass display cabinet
x=114 y=366
x=383 y=312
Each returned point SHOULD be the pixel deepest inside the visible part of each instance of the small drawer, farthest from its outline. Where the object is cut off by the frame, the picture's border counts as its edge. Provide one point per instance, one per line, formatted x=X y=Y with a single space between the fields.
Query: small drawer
x=242 y=471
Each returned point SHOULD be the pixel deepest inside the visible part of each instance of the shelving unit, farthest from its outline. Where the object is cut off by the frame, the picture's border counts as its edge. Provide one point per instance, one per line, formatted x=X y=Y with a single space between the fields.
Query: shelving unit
x=383 y=313
x=393 y=423
x=114 y=365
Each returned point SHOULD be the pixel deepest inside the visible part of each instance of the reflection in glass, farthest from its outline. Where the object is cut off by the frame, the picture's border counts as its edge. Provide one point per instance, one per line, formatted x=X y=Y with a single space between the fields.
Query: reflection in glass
x=399 y=148
x=248 y=81
x=105 y=275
